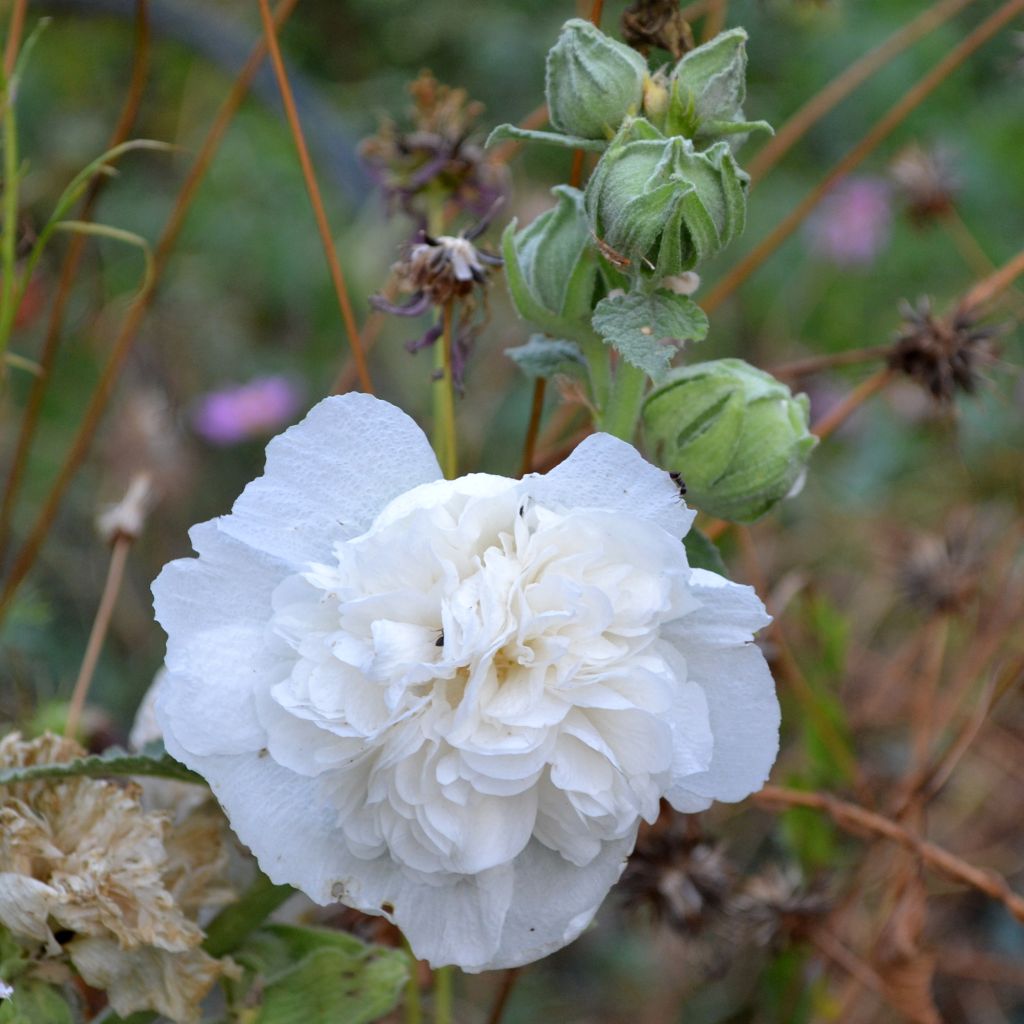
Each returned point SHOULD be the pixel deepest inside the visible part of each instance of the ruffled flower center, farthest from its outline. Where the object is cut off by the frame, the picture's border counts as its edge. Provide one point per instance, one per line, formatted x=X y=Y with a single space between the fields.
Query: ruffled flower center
x=478 y=670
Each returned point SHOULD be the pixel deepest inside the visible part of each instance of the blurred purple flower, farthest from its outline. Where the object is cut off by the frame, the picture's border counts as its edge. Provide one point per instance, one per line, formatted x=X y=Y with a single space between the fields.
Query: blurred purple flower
x=852 y=223
x=246 y=411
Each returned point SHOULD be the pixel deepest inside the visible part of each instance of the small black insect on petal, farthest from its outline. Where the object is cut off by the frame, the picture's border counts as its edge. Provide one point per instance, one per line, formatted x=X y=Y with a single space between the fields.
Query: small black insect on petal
x=439 y=642
x=677 y=479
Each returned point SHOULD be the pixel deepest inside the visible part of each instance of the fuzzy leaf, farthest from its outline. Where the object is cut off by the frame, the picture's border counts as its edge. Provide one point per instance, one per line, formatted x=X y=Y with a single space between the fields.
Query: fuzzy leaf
x=544 y=357
x=111 y=762
x=317 y=976
x=703 y=553
x=510 y=133
x=637 y=326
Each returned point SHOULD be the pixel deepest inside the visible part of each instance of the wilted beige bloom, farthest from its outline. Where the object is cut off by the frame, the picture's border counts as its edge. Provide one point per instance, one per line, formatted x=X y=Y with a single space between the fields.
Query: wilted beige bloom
x=80 y=855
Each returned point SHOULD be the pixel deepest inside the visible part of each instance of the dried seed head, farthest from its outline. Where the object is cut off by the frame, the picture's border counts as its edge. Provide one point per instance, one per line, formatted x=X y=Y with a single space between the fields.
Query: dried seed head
x=445 y=268
x=436 y=153
x=681 y=878
x=941 y=573
x=927 y=180
x=776 y=907
x=657 y=23
x=944 y=354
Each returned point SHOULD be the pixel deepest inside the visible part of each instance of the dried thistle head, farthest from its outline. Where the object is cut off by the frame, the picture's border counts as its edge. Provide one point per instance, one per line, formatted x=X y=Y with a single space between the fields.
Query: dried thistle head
x=927 y=180
x=776 y=907
x=944 y=354
x=657 y=23
x=941 y=572
x=436 y=154
x=682 y=878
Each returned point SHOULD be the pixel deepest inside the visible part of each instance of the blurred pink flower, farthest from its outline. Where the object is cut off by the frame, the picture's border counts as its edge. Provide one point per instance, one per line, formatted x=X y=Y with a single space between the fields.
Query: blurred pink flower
x=851 y=225
x=246 y=411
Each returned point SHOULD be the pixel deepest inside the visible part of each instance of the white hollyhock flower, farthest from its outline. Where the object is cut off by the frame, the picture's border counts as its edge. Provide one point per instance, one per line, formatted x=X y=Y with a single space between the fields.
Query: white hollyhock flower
x=452 y=702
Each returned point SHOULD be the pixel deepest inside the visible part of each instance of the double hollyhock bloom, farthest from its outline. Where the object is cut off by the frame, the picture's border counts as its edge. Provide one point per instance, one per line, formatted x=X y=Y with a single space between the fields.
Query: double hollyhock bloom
x=453 y=702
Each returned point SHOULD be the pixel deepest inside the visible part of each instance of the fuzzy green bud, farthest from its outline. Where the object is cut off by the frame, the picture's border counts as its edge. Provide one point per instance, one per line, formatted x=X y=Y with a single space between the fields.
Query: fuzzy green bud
x=551 y=266
x=737 y=435
x=593 y=82
x=663 y=205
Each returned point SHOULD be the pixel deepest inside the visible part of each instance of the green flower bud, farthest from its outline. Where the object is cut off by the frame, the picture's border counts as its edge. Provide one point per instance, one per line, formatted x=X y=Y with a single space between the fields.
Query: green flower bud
x=737 y=436
x=662 y=205
x=551 y=266
x=593 y=82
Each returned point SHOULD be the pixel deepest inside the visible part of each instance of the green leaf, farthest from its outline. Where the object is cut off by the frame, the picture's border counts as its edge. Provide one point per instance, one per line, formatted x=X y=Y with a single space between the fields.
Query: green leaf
x=228 y=930
x=317 y=976
x=636 y=326
x=703 y=553
x=112 y=762
x=509 y=132
x=35 y=1002
x=544 y=357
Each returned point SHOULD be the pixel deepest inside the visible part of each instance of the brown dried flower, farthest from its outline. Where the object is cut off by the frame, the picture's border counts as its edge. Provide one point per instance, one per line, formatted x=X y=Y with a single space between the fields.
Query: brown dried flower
x=941 y=573
x=777 y=907
x=944 y=354
x=87 y=873
x=927 y=180
x=682 y=878
x=657 y=23
x=436 y=154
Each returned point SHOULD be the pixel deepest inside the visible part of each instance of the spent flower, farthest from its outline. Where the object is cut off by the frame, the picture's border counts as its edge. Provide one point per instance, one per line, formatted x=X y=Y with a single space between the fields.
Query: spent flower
x=451 y=702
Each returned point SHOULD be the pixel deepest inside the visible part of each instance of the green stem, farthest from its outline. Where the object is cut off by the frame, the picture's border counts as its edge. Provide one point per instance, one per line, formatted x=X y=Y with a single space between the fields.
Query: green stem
x=413 y=1006
x=596 y=352
x=443 y=995
x=621 y=413
x=445 y=443
x=10 y=228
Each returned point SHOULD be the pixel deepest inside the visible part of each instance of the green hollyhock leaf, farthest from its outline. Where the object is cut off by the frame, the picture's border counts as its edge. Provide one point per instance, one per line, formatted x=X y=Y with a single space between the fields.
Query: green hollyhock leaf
x=638 y=326
x=153 y=761
x=544 y=357
x=35 y=1002
x=702 y=552
x=737 y=435
x=513 y=133
x=321 y=976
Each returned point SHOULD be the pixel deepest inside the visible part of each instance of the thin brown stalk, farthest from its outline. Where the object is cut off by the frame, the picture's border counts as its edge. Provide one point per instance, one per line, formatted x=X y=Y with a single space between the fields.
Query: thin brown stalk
x=859 y=820
x=15 y=29
x=596 y=10
x=133 y=319
x=838 y=415
x=111 y=588
x=532 y=430
x=29 y=420
x=715 y=21
x=926 y=691
x=821 y=103
x=990 y=288
x=831 y=948
x=909 y=102
x=334 y=266
x=815 y=364
x=508 y=980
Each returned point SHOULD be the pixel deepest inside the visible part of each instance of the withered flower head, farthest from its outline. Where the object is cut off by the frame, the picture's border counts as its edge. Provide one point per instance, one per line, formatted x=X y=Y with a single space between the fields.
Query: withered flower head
x=436 y=154
x=777 y=907
x=944 y=354
x=927 y=180
x=941 y=573
x=657 y=23
x=681 y=877
x=86 y=873
x=439 y=271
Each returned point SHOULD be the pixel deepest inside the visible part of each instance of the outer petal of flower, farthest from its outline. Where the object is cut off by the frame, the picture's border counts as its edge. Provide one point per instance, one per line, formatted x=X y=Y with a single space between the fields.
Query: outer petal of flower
x=742 y=706
x=604 y=472
x=327 y=478
x=215 y=610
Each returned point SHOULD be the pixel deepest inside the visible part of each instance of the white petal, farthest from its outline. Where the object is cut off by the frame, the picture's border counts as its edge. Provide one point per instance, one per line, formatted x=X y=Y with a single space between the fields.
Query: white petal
x=729 y=613
x=26 y=904
x=329 y=476
x=552 y=902
x=744 y=715
x=604 y=472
